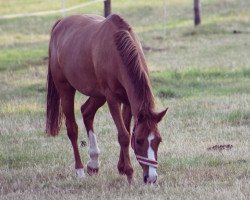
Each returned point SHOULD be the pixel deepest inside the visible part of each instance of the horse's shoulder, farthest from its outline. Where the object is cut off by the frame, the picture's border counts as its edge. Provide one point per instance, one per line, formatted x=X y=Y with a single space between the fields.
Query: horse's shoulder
x=118 y=21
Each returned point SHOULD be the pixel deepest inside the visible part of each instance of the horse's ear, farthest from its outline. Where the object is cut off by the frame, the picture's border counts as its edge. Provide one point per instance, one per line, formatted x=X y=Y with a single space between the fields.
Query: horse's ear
x=141 y=117
x=160 y=115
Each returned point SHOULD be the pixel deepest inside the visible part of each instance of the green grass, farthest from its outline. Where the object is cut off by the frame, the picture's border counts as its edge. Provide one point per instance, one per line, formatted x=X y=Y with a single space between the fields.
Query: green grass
x=23 y=57
x=200 y=82
x=201 y=73
x=238 y=117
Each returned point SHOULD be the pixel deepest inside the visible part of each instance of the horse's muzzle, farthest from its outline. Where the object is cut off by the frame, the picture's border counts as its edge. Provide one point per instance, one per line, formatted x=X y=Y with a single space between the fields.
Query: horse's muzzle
x=150 y=178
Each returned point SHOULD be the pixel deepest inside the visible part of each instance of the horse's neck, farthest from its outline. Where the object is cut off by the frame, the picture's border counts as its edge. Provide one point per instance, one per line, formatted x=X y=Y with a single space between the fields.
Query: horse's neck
x=140 y=103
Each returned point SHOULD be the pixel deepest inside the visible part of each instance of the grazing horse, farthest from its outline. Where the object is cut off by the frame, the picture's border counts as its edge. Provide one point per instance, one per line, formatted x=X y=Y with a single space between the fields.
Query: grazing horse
x=103 y=59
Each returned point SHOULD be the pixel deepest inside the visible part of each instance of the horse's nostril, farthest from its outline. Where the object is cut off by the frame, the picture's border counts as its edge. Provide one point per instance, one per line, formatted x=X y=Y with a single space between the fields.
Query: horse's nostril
x=145 y=179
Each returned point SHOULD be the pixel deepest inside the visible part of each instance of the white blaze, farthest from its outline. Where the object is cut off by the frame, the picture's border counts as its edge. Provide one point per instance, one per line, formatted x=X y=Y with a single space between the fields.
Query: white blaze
x=94 y=151
x=152 y=174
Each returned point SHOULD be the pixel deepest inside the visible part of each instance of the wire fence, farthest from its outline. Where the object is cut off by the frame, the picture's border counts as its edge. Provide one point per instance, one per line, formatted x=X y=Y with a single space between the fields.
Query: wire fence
x=50 y=12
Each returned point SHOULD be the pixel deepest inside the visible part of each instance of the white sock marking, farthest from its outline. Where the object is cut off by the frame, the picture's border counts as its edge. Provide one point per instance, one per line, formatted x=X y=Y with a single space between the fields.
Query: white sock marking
x=80 y=173
x=94 y=151
x=152 y=174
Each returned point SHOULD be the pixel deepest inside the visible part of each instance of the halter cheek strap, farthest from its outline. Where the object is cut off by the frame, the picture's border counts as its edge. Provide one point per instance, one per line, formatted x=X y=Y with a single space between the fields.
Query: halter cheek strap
x=142 y=159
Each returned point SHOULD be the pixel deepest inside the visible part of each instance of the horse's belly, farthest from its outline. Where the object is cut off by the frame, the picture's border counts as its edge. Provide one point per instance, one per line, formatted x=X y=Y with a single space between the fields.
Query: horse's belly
x=80 y=73
x=86 y=86
x=90 y=90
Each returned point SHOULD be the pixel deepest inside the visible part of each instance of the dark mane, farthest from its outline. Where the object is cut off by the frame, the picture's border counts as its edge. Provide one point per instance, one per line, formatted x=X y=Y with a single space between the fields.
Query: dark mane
x=119 y=22
x=131 y=58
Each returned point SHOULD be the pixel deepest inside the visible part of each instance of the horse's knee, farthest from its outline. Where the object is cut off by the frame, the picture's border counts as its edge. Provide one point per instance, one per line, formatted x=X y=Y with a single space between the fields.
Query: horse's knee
x=124 y=140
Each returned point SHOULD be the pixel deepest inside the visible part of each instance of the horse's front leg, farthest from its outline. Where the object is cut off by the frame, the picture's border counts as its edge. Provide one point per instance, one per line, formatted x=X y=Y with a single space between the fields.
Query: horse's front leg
x=127 y=116
x=123 y=137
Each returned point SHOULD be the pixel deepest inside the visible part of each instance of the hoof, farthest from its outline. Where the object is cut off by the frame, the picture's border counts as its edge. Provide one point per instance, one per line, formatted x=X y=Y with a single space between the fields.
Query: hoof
x=130 y=179
x=121 y=170
x=80 y=173
x=91 y=171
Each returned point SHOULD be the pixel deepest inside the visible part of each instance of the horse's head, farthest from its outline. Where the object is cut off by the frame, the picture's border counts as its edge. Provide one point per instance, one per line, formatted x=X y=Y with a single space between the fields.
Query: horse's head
x=145 y=142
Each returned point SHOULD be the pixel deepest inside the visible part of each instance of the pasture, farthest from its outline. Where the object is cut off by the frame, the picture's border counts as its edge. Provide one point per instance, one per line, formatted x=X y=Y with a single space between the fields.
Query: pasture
x=202 y=74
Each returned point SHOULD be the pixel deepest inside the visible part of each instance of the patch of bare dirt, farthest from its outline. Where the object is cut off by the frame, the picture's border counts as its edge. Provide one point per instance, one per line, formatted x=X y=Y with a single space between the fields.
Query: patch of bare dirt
x=220 y=147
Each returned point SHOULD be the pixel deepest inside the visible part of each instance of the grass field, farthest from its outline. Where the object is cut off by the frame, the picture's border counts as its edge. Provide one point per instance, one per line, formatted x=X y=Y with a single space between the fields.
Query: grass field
x=202 y=74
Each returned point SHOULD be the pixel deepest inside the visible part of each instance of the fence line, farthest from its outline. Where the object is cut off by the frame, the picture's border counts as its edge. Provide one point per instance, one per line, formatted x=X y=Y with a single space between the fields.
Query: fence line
x=50 y=12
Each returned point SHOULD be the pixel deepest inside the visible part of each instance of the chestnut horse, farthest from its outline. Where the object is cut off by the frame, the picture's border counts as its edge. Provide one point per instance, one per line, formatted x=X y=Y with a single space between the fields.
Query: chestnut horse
x=103 y=59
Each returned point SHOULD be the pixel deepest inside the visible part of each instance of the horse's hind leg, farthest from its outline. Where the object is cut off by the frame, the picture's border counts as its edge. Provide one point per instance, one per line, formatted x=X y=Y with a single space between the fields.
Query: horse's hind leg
x=67 y=93
x=88 y=110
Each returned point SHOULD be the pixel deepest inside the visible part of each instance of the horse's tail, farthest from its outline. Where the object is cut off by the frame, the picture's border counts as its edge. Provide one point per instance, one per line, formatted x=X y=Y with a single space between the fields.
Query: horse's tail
x=54 y=110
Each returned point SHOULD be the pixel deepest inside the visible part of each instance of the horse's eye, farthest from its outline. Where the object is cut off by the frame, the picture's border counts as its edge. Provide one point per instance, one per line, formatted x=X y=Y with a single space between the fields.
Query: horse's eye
x=139 y=141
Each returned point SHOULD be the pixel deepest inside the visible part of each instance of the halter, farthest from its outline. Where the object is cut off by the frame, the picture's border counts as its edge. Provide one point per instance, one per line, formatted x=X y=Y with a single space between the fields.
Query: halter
x=142 y=159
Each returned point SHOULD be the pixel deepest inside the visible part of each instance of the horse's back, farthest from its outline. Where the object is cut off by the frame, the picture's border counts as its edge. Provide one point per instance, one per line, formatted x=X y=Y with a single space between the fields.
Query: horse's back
x=74 y=27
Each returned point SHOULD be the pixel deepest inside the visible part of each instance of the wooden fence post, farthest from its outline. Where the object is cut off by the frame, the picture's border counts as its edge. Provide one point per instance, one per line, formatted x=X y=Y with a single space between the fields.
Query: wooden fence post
x=107 y=8
x=197 y=8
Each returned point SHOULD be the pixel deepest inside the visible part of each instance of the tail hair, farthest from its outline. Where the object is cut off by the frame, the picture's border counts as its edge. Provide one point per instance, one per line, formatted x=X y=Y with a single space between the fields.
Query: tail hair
x=54 y=110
